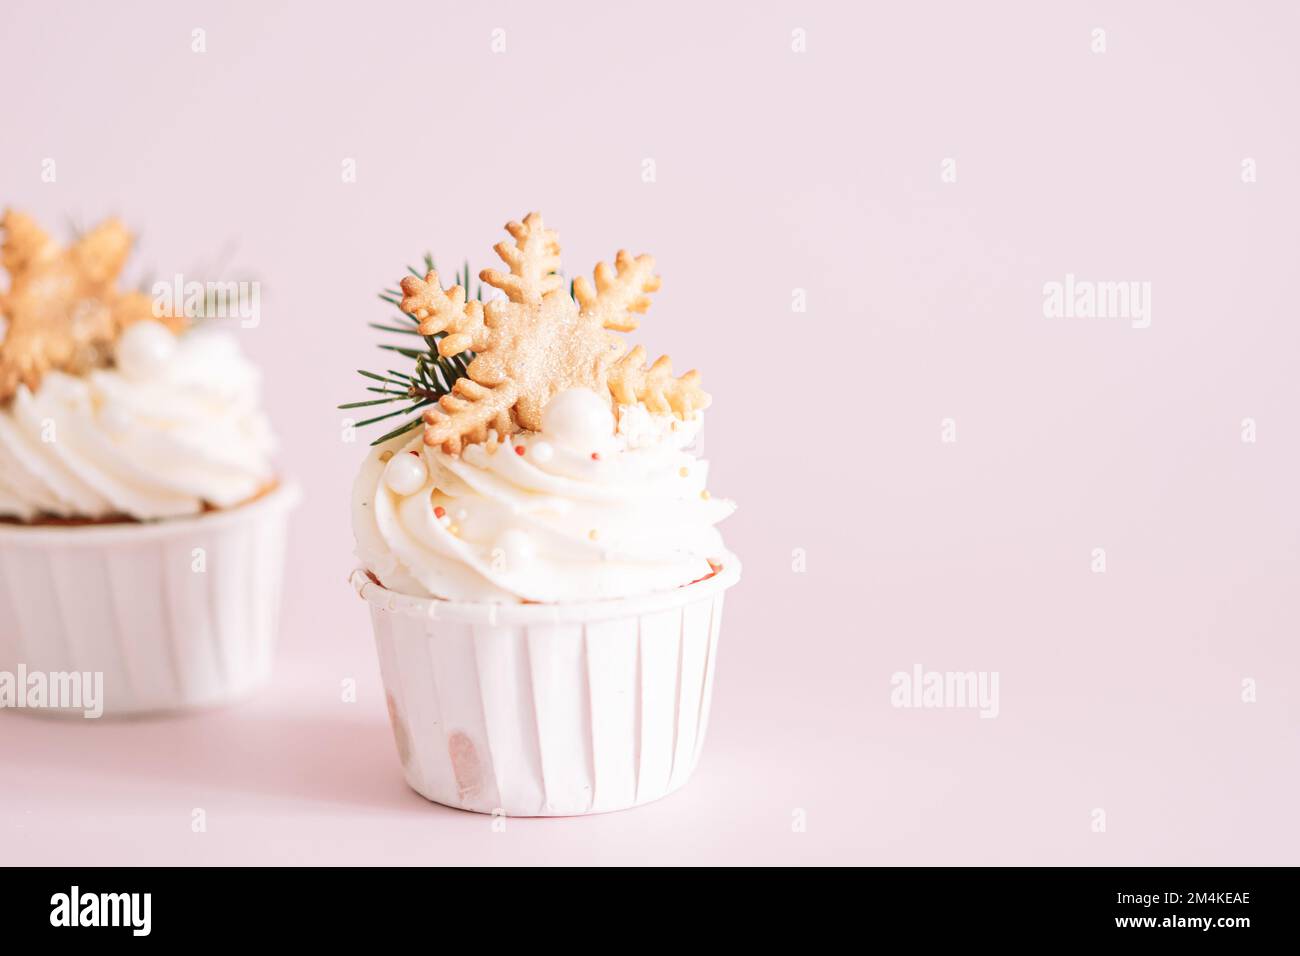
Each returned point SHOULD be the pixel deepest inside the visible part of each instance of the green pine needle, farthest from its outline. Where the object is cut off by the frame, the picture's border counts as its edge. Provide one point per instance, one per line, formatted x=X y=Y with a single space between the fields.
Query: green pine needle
x=391 y=328
x=432 y=376
x=401 y=430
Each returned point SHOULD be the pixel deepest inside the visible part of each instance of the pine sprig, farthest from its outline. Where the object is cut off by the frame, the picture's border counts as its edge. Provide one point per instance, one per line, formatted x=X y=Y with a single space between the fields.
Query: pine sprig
x=432 y=375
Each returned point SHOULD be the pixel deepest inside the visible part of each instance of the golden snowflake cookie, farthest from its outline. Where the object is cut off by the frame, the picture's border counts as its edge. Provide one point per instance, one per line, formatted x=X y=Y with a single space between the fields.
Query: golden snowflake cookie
x=539 y=340
x=63 y=309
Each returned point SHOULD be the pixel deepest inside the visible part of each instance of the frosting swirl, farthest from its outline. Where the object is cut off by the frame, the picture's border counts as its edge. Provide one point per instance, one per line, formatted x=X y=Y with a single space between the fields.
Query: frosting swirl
x=578 y=511
x=173 y=428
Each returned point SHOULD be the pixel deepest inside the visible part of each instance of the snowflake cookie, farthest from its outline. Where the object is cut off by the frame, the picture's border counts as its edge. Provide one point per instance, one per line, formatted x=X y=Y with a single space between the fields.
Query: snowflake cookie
x=539 y=340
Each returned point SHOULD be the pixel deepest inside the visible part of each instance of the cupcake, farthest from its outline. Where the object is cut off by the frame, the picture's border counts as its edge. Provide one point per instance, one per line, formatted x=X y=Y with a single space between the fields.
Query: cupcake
x=142 y=525
x=538 y=544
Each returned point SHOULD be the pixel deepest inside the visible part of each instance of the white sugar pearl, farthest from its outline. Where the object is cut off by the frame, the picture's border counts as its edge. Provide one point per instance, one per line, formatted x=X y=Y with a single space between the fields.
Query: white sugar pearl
x=578 y=419
x=516 y=548
x=144 y=350
x=541 y=452
x=405 y=474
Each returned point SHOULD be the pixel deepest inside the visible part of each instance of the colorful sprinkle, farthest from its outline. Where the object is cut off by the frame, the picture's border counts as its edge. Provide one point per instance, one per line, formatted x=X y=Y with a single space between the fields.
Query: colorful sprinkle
x=592 y=534
x=595 y=456
x=705 y=494
x=684 y=471
x=519 y=449
x=439 y=511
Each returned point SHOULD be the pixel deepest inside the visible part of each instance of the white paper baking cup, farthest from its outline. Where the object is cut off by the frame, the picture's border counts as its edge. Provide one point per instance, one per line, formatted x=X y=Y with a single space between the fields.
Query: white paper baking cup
x=546 y=709
x=178 y=614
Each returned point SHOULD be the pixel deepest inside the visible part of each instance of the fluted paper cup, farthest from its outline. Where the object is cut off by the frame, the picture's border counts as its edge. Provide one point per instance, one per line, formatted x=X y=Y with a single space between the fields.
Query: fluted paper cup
x=549 y=710
x=178 y=614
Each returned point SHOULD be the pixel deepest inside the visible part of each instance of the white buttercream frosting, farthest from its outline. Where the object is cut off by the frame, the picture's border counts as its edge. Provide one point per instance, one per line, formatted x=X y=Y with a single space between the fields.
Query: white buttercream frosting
x=576 y=512
x=174 y=426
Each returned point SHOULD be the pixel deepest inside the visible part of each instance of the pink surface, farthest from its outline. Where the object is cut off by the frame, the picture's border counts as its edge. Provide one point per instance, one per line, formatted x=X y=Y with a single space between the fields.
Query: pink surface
x=775 y=170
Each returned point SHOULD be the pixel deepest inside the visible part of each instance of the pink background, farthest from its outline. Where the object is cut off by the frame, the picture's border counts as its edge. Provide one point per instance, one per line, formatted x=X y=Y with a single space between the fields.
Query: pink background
x=775 y=171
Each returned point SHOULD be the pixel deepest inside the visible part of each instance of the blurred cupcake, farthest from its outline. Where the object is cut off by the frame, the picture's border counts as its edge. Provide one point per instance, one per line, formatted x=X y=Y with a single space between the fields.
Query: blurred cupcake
x=539 y=546
x=142 y=525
